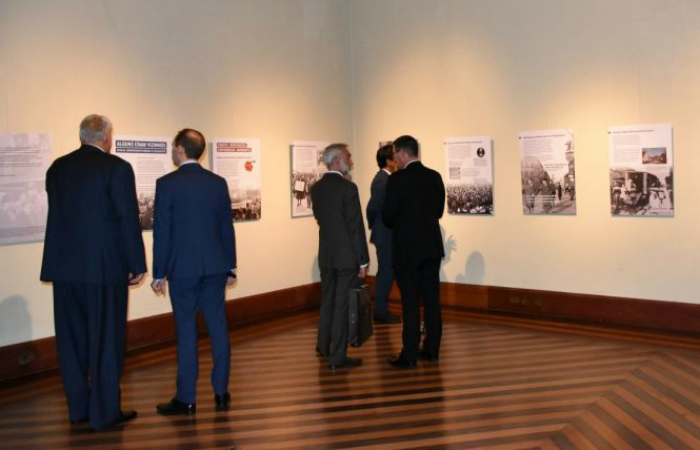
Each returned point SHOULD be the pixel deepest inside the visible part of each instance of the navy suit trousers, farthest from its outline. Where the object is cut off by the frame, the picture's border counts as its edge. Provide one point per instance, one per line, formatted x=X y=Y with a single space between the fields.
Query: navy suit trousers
x=384 y=279
x=188 y=296
x=90 y=324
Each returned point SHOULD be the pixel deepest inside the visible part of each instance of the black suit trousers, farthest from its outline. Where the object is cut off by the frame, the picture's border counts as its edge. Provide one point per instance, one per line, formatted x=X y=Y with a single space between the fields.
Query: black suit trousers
x=90 y=324
x=333 y=321
x=416 y=283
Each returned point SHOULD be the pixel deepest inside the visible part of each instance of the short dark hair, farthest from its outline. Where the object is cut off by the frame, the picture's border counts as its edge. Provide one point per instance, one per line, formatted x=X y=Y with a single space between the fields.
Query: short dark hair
x=407 y=143
x=192 y=141
x=384 y=154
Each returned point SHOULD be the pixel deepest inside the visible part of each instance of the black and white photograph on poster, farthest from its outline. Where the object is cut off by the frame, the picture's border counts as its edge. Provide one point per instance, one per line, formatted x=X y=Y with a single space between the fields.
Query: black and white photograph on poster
x=641 y=170
x=238 y=161
x=24 y=160
x=307 y=169
x=547 y=172
x=469 y=181
x=150 y=158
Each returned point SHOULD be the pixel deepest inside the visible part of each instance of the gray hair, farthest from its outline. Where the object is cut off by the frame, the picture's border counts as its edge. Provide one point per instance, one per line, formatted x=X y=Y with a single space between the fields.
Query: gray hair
x=95 y=128
x=333 y=151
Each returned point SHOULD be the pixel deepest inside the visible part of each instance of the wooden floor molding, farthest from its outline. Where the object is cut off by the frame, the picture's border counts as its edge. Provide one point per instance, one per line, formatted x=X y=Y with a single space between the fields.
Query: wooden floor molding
x=496 y=387
x=662 y=316
x=668 y=323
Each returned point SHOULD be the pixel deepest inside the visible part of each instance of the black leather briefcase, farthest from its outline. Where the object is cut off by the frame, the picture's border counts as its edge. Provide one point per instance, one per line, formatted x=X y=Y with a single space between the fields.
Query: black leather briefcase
x=359 y=316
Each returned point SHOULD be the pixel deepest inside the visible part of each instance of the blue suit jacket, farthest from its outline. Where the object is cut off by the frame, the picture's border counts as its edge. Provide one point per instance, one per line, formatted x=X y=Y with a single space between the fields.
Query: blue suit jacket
x=193 y=226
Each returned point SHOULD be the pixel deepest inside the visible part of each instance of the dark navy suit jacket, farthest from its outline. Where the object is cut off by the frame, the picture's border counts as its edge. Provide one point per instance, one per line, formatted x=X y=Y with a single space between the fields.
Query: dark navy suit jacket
x=193 y=226
x=380 y=235
x=92 y=232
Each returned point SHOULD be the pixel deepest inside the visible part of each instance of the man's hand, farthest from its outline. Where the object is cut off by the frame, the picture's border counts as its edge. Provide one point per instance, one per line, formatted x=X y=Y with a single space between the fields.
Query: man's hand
x=158 y=286
x=135 y=279
x=363 y=271
x=231 y=278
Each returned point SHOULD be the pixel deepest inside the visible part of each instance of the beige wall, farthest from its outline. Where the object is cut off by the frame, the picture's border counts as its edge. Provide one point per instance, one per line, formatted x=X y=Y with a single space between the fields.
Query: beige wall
x=444 y=68
x=270 y=69
x=365 y=71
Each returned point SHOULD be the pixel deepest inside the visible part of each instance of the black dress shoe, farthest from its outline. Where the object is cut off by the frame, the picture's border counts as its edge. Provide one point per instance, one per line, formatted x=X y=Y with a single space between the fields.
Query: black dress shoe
x=176 y=407
x=400 y=363
x=124 y=417
x=79 y=421
x=428 y=358
x=387 y=318
x=349 y=362
x=223 y=402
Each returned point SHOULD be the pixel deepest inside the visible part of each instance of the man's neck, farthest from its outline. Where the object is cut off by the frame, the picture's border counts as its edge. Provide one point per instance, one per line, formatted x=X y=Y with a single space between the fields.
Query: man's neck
x=409 y=162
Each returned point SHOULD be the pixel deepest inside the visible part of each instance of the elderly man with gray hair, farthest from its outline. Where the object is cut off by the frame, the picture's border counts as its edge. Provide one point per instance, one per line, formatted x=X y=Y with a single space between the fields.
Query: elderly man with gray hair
x=342 y=252
x=93 y=251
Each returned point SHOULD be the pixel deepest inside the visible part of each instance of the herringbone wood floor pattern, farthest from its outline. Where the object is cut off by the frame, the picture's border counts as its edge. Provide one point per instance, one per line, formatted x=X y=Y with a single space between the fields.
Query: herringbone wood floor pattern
x=496 y=387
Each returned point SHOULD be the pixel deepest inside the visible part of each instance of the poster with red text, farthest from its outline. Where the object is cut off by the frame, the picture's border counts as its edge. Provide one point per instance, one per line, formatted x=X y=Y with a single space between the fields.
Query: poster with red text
x=238 y=161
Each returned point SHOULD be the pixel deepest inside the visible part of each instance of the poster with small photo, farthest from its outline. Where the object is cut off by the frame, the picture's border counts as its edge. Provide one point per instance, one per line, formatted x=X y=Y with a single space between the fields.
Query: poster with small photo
x=307 y=169
x=469 y=182
x=641 y=170
x=150 y=158
x=547 y=172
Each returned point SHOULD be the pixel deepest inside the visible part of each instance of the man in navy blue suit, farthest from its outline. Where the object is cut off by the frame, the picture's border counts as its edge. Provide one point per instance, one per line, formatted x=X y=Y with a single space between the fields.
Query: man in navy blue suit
x=93 y=250
x=381 y=236
x=194 y=248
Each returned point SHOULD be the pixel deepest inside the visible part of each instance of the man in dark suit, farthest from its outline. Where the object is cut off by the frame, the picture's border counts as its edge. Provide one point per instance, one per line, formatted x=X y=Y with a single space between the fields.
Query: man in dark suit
x=415 y=200
x=342 y=252
x=93 y=250
x=381 y=236
x=194 y=249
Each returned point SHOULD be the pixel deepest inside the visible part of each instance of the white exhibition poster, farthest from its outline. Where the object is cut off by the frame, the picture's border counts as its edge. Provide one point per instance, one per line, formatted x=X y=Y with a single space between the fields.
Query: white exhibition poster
x=307 y=168
x=469 y=175
x=547 y=174
x=238 y=161
x=641 y=170
x=151 y=159
x=24 y=160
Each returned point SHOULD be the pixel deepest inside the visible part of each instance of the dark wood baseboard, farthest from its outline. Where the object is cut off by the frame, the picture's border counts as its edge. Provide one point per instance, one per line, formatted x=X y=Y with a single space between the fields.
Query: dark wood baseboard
x=37 y=356
x=673 y=317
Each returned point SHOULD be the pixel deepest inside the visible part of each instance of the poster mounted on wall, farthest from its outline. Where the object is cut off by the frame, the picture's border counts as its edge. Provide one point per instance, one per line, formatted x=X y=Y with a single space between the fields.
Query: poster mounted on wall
x=24 y=160
x=238 y=161
x=150 y=158
x=641 y=170
x=469 y=181
x=307 y=168
x=547 y=174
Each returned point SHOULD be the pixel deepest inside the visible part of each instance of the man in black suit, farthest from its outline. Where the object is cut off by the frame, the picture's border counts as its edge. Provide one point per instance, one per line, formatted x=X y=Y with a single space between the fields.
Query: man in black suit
x=381 y=236
x=415 y=200
x=342 y=252
x=194 y=248
x=93 y=251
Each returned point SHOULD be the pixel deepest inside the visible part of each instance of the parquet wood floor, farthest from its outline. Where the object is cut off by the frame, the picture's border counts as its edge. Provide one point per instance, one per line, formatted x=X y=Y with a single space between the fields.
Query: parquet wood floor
x=496 y=387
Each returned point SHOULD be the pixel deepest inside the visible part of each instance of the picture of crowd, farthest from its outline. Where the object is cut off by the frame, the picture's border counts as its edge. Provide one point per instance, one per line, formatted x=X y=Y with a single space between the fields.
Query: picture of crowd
x=246 y=210
x=470 y=199
x=146 y=208
x=301 y=186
